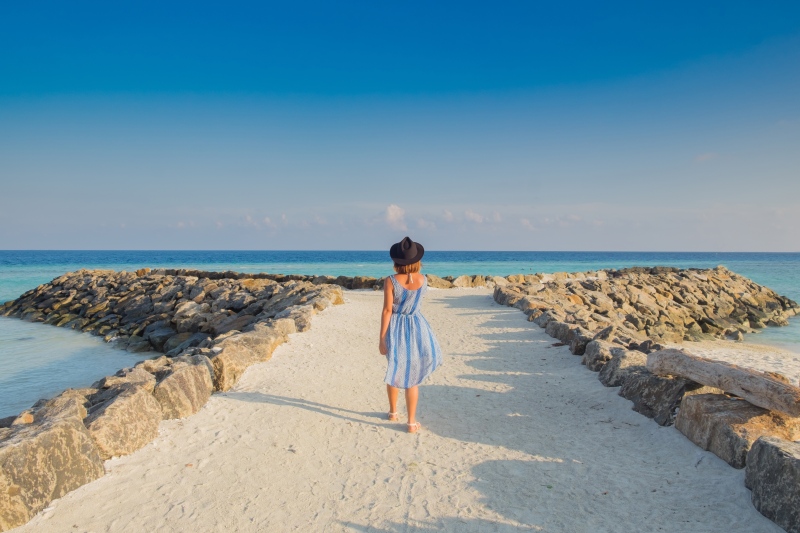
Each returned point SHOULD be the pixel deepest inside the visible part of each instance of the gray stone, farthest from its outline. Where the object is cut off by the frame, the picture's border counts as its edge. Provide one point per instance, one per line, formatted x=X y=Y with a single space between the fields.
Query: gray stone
x=559 y=330
x=580 y=338
x=773 y=474
x=159 y=337
x=597 y=354
x=623 y=363
x=658 y=397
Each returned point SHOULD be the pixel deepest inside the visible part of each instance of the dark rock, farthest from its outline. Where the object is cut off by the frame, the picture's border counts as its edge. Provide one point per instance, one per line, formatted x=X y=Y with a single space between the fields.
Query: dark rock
x=623 y=363
x=658 y=397
x=160 y=336
x=773 y=474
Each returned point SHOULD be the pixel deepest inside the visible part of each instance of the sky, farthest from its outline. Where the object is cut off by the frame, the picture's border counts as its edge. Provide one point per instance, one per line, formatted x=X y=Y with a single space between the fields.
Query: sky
x=635 y=126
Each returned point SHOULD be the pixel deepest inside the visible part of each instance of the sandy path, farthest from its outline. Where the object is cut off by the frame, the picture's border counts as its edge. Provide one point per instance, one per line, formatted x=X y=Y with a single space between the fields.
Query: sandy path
x=517 y=436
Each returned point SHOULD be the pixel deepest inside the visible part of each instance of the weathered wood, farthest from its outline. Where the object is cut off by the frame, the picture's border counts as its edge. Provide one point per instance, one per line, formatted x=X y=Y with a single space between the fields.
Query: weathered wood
x=769 y=391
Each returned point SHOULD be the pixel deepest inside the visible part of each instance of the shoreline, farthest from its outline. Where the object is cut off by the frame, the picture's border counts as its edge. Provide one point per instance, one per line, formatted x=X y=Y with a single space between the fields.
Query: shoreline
x=214 y=325
x=509 y=443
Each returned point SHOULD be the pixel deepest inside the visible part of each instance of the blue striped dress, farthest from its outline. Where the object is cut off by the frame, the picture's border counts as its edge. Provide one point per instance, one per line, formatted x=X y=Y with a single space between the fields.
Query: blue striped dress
x=413 y=350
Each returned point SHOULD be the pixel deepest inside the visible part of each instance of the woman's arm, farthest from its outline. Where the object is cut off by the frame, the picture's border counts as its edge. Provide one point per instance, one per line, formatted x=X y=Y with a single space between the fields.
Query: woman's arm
x=386 y=314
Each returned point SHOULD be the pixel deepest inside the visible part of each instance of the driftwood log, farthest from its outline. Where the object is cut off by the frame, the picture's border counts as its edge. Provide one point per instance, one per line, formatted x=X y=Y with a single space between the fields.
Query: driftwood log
x=769 y=391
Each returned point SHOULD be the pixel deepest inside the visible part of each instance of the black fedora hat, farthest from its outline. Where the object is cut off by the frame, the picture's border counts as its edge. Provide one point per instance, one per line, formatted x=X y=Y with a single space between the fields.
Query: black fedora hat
x=406 y=252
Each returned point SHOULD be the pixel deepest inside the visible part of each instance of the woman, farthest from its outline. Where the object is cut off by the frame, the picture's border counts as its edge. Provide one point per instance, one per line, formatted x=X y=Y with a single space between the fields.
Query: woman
x=406 y=338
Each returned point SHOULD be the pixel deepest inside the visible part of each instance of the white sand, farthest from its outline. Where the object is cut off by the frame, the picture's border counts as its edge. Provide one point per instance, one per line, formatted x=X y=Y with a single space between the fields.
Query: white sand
x=517 y=435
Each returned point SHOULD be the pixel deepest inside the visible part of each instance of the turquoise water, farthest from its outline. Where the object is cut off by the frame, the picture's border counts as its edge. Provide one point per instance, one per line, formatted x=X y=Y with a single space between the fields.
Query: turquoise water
x=40 y=361
x=65 y=358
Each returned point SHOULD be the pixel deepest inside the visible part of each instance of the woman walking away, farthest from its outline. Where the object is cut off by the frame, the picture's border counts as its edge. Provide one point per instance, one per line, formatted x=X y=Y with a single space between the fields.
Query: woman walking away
x=406 y=338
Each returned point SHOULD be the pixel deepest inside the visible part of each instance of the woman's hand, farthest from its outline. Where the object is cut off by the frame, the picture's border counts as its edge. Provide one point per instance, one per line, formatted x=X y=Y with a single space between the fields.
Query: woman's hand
x=382 y=347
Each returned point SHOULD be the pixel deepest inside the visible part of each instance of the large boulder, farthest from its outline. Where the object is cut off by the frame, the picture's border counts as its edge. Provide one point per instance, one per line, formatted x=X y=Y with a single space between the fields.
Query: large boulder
x=773 y=474
x=581 y=337
x=728 y=427
x=438 y=283
x=462 y=282
x=159 y=337
x=125 y=422
x=560 y=330
x=238 y=352
x=185 y=387
x=45 y=459
x=659 y=397
x=597 y=354
x=623 y=364
x=363 y=282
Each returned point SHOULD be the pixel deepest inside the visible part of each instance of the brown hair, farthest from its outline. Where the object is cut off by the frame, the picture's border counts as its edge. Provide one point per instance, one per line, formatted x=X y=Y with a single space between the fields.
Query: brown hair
x=408 y=269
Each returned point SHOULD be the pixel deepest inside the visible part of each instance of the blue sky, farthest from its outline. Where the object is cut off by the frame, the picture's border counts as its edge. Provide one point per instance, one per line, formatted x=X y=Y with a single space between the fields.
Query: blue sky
x=345 y=125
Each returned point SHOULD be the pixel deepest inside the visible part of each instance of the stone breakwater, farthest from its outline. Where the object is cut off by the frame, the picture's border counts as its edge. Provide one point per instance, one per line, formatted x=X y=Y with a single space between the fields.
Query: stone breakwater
x=616 y=320
x=212 y=326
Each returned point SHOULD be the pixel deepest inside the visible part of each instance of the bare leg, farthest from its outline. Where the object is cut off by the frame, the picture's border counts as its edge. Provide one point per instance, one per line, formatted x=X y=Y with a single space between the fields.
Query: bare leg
x=412 y=395
x=393 y=393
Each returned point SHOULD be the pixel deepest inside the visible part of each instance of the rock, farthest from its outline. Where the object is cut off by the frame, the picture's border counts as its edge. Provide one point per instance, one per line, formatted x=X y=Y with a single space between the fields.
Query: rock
x=604 y=334
x=462 y=282
x=597 y=354
x=176 y=340
x=478 y=281
x=301 y=314
x=580 y=338
x=137 y=344
x=186 y=387
x=438 y=283
x=232 y=323
x=44 y=460
x=499 y=281
x=240 y=351
x=773 y=476
x=764 y=390
x=658 y=397
x=728 y=426
x=363 y=282
x=154 y=365
x=137 y=376
x=124 y=423
x=506 y=295
x=158 y=337
x=560 y=330
x=623 y=363
x=194 y=339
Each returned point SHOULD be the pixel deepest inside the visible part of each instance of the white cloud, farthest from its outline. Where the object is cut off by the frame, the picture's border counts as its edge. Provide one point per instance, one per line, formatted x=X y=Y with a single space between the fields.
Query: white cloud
x=473 y=216
x=496 y=217
x=527 y=224
x=448 y=216
x=396 y=217
x=425 y=224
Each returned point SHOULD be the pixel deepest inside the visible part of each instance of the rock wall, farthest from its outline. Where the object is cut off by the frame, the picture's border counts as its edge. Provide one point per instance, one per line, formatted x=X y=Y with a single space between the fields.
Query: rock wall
x=212 y=326
x=613 y=318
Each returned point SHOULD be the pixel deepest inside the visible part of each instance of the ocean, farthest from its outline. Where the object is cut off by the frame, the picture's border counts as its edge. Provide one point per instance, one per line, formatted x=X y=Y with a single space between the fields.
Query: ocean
x=38 y=361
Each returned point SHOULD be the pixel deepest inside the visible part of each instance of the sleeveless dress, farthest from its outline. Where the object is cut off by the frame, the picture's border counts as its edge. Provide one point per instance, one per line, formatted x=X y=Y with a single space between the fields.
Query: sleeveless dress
x=413 y=352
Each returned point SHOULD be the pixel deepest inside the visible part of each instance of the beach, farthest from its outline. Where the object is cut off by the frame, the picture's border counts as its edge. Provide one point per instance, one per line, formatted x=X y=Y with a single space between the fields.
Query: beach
x=517 y=435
